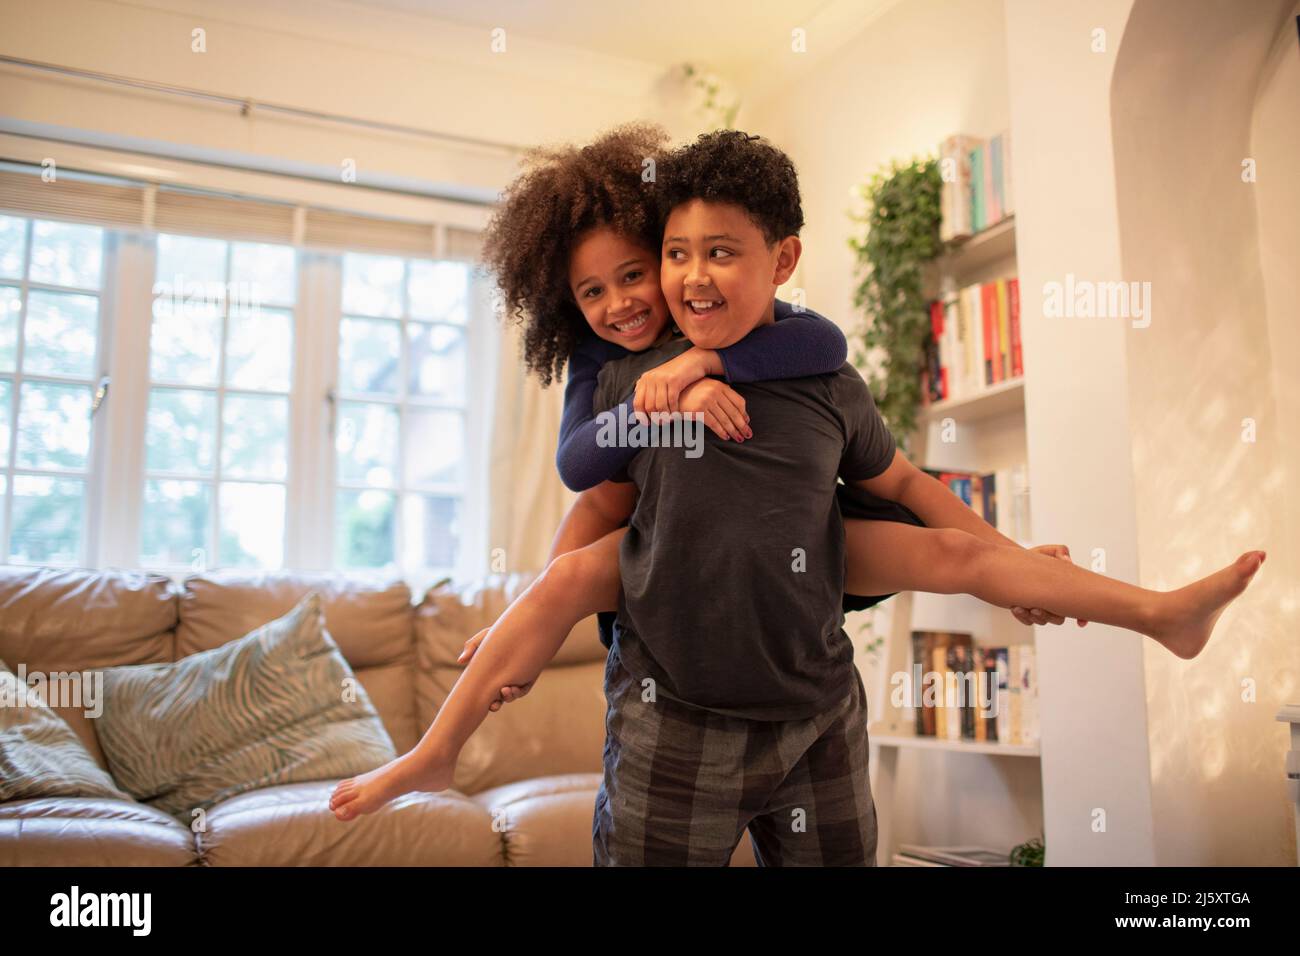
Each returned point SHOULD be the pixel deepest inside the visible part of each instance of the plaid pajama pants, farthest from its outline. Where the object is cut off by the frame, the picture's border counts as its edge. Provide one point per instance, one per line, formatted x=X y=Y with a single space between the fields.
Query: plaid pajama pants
x=681 y=784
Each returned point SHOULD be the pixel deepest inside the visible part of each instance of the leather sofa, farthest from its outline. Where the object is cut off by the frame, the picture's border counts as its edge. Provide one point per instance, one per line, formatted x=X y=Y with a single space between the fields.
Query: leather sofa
x=525 y=785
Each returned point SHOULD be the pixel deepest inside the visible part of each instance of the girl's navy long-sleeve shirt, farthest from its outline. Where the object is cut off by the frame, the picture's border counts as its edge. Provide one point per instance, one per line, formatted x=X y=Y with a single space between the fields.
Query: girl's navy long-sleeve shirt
x=797 y=344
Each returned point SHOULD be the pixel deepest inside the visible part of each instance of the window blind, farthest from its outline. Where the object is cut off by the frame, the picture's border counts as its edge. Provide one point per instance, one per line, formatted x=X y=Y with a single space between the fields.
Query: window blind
x=122 y=203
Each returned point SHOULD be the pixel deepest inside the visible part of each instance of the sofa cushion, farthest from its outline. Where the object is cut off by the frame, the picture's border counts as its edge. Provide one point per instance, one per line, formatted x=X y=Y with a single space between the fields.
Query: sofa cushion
x=293 y=826
x=63 y=620
x=268 y=709
x=40 y=755
x=558 y=728
x=369 y=617
x=72 y=831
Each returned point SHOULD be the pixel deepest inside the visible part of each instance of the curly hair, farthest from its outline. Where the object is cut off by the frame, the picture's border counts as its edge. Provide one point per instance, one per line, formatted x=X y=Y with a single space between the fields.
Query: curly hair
x=728 y=166
x=563 y=192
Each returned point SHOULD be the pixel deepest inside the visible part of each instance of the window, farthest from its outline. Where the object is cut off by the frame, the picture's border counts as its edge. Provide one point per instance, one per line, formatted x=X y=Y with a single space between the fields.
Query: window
x=50 y=282
x=180 y=400
x=400 y=429
x=217 y=436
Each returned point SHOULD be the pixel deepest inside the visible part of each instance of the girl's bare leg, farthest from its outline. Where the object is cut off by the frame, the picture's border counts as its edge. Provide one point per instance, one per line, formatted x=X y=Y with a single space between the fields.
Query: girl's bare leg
x=528 y=634
x=886 y=556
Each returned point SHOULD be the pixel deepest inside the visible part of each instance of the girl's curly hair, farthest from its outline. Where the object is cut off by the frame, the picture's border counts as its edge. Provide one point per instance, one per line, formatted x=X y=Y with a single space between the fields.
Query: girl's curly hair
x=563 y=192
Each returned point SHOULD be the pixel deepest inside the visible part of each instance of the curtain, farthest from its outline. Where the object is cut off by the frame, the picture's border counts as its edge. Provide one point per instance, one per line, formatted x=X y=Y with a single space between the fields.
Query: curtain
x=526 y=497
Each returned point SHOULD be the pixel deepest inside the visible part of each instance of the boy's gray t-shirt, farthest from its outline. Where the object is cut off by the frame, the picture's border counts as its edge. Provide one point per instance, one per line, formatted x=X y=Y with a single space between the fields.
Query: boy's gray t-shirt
x=733 y=562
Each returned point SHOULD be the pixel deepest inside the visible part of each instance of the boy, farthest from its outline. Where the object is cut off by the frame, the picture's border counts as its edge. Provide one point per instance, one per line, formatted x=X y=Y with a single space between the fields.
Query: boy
x=734 y=704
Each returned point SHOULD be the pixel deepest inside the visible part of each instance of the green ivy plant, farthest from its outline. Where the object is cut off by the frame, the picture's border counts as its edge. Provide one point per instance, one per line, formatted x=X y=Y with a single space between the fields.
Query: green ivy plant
x=901 y=236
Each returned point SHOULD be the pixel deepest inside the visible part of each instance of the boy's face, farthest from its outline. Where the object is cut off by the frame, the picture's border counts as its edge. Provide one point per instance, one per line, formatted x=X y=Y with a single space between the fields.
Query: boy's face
x=615 y=282
x=716 y=256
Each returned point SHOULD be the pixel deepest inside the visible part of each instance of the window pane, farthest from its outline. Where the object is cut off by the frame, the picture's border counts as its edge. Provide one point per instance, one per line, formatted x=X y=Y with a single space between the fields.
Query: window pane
x=367 y=444
x=252 y=525
x=60 y=334
x=435 y=447
x=11 y=304
x=6 y=410
x=66 y=254
x=254 y=435
x=47 y=520
x=437 y=361
x=263 y=274
x=185 y=341
x=372 y=285
x=13 y=246
x=364 y=529
x=175 y=521
x=53 y=425
x=432 y=526
x=259 y=350
x=439 y=290
x=191 y=268
x=369 y=356
x=182 y=431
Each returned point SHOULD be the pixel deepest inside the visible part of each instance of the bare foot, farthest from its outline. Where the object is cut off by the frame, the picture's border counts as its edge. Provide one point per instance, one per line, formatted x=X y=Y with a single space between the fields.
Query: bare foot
x=1187 y=619
x=370 y=791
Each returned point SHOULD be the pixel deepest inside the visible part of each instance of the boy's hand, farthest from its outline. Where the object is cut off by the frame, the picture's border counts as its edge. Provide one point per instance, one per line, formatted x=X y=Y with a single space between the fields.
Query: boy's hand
x=660 y=389
x=1038 y=615
x=722 y=406
x=508 y=694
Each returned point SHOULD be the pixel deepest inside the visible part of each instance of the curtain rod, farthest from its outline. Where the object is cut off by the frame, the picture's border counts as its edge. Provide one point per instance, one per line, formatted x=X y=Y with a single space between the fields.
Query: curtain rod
x=247 y=105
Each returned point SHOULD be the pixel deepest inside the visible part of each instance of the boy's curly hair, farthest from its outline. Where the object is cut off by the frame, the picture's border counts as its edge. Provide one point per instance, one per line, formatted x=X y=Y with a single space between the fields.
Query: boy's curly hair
x=729 y=166
x=563 y=192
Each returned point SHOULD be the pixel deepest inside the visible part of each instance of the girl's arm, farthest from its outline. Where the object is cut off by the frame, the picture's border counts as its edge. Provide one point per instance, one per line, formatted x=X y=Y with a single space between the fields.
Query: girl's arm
x=796 y=345
x=581 y=462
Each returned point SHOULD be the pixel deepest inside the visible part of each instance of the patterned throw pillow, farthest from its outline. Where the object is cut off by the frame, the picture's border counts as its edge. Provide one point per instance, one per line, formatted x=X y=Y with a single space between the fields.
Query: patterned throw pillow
x=40 y=755
x=279 y=705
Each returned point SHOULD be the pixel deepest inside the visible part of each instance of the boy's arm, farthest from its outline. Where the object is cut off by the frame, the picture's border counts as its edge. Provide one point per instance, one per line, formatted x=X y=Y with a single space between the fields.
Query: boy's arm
x=871 y=461
x=579 y=458
x=596 y=513
x=931 y=501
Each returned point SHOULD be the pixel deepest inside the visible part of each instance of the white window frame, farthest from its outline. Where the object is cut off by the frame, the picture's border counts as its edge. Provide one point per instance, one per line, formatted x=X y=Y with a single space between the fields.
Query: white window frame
x=118 y=433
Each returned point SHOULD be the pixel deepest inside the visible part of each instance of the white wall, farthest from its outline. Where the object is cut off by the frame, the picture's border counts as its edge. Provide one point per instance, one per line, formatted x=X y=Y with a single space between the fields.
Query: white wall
x=322 y=55
x=923 y=70
x=1218 y=351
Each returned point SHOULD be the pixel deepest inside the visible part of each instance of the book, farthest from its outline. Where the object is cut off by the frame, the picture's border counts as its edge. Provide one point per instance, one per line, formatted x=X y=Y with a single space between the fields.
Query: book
x=956 y=855
x=1013 y=312
x=955 y=198
x=1004 y=329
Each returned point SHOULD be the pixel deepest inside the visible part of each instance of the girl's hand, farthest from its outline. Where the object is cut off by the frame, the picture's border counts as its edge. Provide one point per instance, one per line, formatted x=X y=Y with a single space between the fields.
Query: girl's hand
x=508 y=694
x=659 y=390
x=722 y=406
x=1038 y=615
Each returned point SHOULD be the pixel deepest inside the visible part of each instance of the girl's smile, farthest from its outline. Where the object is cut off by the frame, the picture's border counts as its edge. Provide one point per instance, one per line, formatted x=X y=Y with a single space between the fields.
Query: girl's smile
x=615 y=283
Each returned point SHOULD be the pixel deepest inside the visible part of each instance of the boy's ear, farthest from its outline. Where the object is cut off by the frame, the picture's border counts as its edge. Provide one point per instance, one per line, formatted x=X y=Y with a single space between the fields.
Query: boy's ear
x=787 y=258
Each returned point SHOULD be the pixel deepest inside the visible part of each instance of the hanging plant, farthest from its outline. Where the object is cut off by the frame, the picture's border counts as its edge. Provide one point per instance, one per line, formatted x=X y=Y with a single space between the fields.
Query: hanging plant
x=720 y=114
x=901 y=237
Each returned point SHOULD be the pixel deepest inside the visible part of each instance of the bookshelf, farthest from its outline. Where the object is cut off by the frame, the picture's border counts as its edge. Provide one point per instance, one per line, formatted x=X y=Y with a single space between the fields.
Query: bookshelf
x=990 y=435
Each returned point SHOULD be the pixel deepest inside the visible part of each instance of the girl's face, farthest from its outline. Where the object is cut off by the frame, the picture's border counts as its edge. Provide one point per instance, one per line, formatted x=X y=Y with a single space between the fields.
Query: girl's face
x=615 y=282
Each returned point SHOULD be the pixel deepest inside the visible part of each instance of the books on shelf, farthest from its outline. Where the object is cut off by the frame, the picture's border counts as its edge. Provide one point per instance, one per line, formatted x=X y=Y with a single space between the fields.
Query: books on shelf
x=960 y=691
x=974 y=341
x=980 y=493
x=911 y=854
x=976 y=184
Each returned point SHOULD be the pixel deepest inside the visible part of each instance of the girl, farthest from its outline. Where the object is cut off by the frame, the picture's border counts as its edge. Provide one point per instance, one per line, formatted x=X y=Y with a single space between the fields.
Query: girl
x=574 y=247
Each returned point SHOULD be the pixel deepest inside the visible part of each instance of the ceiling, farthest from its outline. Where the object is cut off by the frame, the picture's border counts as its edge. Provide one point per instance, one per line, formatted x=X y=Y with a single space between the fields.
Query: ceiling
x=731 y=37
